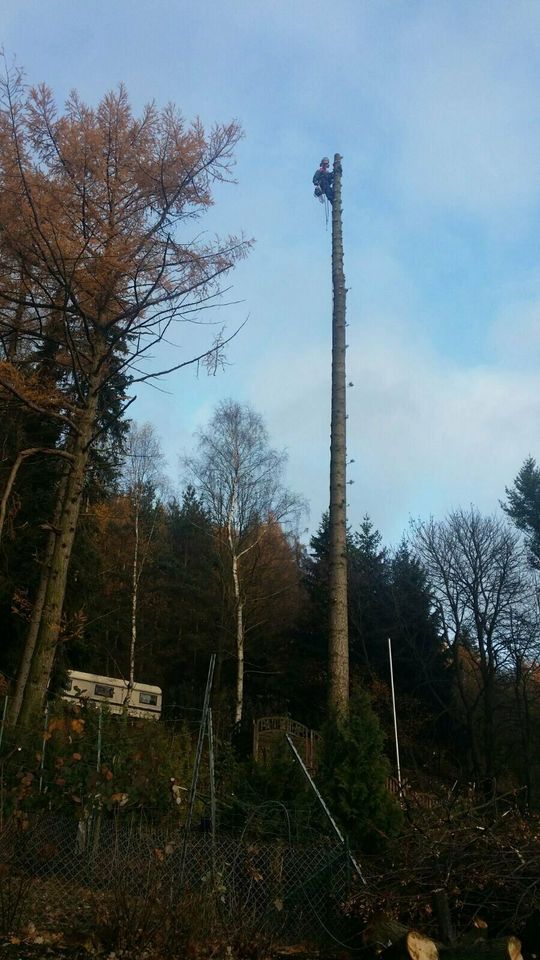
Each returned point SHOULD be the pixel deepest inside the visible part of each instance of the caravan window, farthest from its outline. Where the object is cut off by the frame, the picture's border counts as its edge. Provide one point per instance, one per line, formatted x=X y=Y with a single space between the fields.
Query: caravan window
x=148 y=698
x=100 y=690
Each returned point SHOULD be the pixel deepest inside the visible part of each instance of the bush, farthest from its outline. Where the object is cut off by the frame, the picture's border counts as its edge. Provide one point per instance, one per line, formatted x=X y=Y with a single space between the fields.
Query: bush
x=270 y=800
x=82 y=763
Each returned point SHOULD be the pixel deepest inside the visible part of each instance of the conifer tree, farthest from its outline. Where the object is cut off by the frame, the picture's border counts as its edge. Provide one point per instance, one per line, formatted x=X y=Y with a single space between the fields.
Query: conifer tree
x=353 y=776
x=523 y=507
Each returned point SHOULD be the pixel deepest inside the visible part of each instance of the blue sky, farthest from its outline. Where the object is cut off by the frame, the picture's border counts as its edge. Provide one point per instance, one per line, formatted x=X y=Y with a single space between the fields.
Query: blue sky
x=434 y=106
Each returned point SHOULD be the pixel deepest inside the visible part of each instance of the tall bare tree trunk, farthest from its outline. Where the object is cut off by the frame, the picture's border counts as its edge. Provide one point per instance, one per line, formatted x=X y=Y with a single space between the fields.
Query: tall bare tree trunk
x=134 y=599
x=51 y=618
x=338 y=660
x=216 y=689
x=239 y=611
x=239 y=700
x=39 y=601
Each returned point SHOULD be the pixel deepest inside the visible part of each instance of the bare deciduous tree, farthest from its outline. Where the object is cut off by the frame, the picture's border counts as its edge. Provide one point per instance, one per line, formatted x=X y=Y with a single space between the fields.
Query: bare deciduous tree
x=475 y=565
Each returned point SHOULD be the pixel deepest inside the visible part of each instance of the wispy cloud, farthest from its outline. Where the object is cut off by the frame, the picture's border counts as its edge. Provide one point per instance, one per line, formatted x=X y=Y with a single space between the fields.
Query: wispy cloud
x=435 y=107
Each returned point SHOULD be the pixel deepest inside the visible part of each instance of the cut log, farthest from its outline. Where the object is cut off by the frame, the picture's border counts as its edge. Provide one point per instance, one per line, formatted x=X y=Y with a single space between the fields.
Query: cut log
x=413 y=946
x=514 y=948
x=504 y=948
x=393 y=941
x=420 y=947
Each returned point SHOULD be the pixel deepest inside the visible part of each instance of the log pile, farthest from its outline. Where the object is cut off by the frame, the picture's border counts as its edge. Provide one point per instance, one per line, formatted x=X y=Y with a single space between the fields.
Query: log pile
x=416 y=946
x=393 y=941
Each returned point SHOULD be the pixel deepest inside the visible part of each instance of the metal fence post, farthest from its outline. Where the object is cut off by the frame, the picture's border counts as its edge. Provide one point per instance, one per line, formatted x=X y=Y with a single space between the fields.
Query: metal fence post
x=211 y=772
x=100 y=728
x=196 y=768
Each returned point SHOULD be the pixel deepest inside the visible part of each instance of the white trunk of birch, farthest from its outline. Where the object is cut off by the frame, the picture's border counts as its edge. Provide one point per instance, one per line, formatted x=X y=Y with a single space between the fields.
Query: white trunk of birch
x=134 y=601
x=239 y=609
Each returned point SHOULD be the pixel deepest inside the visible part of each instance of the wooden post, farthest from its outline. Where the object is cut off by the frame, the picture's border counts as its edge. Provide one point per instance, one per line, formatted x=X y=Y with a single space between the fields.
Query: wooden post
x=338 y=640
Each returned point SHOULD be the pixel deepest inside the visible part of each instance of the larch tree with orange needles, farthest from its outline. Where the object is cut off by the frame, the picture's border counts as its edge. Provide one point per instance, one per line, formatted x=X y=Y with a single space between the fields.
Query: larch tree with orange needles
x=97 y=260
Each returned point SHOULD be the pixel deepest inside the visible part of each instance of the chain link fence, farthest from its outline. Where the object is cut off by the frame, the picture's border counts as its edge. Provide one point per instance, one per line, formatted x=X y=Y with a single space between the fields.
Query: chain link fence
x=93 y=822
x=275 y=888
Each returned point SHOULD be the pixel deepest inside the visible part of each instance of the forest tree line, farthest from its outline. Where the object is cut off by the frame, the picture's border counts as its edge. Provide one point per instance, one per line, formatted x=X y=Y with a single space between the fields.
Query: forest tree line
x=155 y=580
x=102 y=568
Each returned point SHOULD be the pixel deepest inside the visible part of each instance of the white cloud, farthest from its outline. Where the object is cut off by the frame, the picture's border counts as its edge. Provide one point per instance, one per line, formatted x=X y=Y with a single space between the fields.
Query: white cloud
x=434 y=106
x=426 y=435
x=456 y=84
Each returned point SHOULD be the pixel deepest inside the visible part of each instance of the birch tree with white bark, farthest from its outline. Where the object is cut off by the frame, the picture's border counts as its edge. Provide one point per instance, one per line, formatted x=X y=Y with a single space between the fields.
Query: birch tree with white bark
x=239 y=479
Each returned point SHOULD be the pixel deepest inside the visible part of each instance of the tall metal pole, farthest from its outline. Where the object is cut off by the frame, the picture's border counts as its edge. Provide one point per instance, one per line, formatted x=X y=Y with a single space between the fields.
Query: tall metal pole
x=212 y=777
x=394 y=711
x=338 y=660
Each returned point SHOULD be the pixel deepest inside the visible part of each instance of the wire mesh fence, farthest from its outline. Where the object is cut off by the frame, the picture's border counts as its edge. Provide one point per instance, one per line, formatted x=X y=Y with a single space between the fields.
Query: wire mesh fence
x=277 y=888
x=93 y=813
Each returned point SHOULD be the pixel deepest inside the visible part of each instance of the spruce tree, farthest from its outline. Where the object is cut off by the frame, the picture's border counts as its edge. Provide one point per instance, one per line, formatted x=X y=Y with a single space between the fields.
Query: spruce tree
x=523 y=507
x=353 y=777
x=370 y=607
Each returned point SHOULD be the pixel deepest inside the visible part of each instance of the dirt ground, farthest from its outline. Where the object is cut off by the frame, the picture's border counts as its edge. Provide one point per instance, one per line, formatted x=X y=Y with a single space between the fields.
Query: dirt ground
x=14 y=949
x=35 y=951
x=11 y=951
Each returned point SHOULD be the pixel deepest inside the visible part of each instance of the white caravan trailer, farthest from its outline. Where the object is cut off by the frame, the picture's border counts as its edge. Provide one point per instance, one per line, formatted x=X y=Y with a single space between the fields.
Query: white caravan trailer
x=145 y=699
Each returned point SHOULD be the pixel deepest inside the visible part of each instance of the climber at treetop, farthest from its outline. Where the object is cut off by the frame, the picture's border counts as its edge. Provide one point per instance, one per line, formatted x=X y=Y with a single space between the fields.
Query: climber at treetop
x=323 y=180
